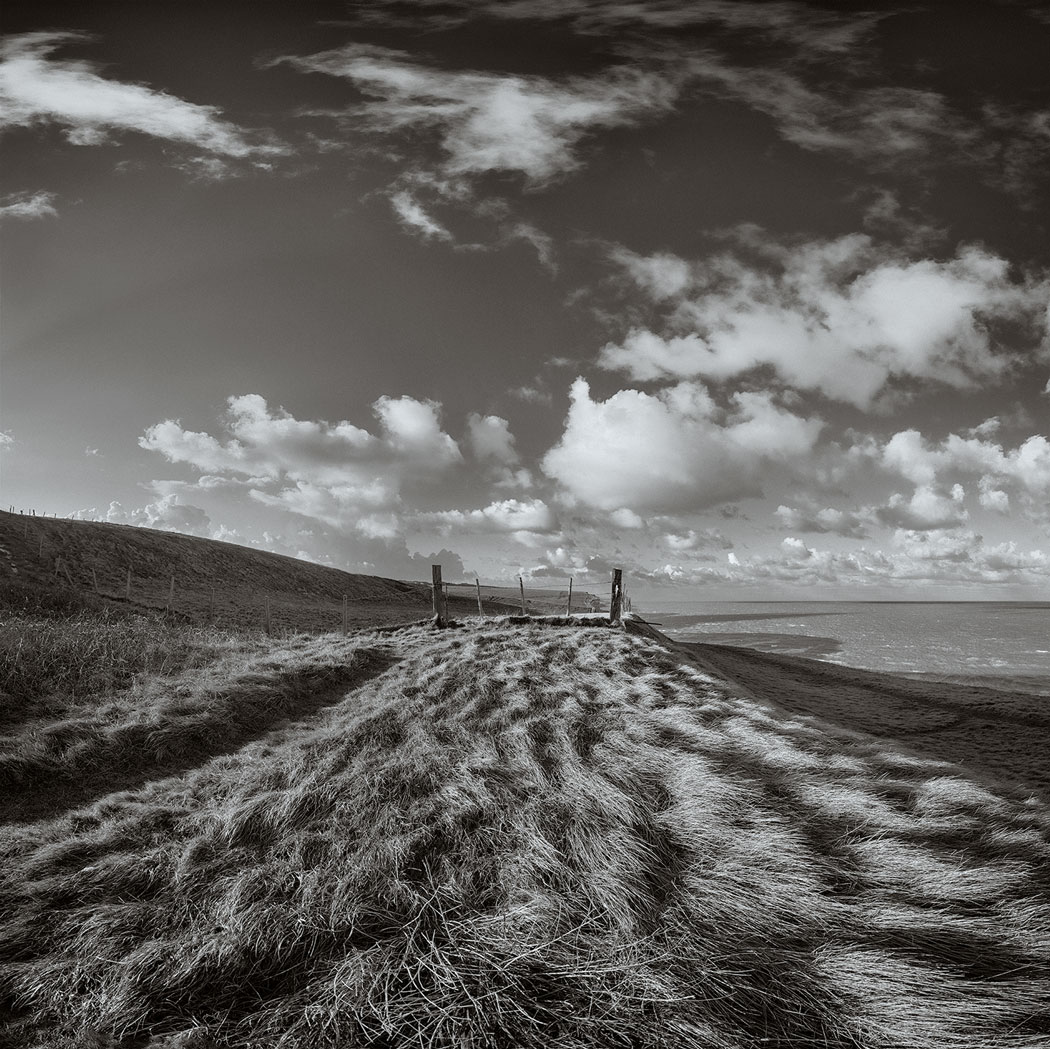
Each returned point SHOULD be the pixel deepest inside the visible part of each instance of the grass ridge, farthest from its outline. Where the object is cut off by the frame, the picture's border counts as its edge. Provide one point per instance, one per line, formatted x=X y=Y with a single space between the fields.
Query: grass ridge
x=530 y=837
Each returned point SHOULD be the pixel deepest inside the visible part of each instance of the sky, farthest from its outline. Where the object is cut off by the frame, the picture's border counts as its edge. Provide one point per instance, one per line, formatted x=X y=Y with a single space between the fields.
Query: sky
x=748 y=299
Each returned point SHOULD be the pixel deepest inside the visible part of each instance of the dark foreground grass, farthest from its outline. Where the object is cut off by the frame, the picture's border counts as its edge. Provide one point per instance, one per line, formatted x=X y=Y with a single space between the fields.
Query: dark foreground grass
x=524 y=836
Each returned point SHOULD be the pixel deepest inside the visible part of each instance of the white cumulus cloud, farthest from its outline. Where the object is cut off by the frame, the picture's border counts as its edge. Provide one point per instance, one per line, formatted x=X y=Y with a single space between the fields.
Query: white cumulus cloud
x=844 y=317
x=167 y=514
x=1002 y=473
x=673 y=450
x=335 y=472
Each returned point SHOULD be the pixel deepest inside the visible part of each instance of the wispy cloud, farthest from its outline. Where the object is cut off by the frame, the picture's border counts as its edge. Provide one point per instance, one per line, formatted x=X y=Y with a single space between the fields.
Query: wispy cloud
x=412 y=215
x=529 y=125
x=808 y=28
x=819 y=85
x=466 y=124
x=880 y=125
x=37 y=88
x=28 y=205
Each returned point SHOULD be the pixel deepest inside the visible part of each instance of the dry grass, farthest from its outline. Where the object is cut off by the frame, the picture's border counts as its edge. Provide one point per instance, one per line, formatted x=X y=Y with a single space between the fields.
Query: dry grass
x=529 y=836
x=47 y=660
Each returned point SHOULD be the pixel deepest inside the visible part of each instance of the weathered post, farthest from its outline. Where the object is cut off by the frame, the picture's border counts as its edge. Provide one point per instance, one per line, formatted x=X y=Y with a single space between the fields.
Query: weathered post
x=127 y=587
x=521 y=584
x=568 y=604
x=266 y=614
x=477 y=583
x=440 y=610
x=211 y=605
x=171 y=594
x=616 y=599
x=40 y=552
x=94 y=580
x=344 y=614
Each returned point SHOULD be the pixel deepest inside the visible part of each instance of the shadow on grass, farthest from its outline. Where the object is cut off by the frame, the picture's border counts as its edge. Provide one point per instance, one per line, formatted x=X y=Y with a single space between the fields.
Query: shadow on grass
x=135 y=753
x=536 y=838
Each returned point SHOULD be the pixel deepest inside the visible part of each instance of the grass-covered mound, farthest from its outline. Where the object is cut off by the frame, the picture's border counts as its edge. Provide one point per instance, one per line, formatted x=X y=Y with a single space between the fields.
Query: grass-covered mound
x=533 y=836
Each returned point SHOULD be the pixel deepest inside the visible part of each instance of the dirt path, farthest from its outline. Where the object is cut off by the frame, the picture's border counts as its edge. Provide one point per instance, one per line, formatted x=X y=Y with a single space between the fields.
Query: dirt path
x=187 y=743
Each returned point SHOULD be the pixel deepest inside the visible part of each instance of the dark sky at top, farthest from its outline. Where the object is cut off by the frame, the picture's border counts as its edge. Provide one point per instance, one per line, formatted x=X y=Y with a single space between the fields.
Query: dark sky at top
x=747 y=297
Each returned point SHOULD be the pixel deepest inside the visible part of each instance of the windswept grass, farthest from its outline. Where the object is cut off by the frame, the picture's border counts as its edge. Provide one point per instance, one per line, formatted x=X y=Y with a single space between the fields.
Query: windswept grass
x=48 y=658
x=525 y=836
x=97 y=704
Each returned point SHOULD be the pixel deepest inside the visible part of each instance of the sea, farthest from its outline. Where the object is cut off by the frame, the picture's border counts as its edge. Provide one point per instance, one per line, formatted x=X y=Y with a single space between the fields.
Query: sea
x=999 y=644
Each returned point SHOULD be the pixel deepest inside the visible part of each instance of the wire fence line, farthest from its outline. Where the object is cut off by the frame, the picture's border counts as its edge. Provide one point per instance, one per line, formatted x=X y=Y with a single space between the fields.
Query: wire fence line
x=544 y=601
x=275 y=609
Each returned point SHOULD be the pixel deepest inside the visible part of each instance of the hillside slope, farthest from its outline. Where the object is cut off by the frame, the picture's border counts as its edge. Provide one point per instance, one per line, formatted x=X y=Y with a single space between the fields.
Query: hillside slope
x=510 y=836
x=224 y=581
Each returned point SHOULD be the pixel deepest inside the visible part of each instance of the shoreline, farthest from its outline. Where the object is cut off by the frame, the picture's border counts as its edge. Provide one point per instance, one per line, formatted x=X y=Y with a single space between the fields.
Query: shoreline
x=1001 y=735
x=833 y=650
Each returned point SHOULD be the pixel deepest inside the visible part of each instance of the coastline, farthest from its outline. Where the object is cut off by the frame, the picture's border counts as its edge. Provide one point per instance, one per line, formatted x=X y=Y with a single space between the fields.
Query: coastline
x=1001 y=735
x=995 y=644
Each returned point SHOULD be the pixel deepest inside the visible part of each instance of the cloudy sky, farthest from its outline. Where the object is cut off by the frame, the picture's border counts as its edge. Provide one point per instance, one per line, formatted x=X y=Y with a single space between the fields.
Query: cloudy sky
x=748 y=298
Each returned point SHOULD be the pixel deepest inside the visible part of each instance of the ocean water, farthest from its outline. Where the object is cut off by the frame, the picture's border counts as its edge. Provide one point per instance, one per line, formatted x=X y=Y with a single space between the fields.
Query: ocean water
x=999 y=643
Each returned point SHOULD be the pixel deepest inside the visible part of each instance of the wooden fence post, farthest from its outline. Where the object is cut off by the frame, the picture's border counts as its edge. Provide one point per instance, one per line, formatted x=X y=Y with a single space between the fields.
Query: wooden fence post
x=440 y=609
x=617 y=596
x=127 y=587
x=171 y=594
x=477 y=583
x=521 y=585
x=568 y=606
x=211 y=605
x=266 y=613
x=344 y=614
x=40 y=552
x=94 y=580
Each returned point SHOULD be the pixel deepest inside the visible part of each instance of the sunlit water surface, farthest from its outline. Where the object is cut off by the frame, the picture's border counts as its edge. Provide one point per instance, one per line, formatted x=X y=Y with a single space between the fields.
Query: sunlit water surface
x=1000 y=643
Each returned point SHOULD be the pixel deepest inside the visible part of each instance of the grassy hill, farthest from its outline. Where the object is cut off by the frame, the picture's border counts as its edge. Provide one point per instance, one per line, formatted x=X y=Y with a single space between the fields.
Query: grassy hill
x=215 y=582
x=503 y=835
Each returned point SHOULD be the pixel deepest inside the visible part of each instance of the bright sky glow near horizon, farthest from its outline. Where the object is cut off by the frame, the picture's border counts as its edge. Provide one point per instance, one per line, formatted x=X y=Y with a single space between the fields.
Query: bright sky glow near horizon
x=750 y=299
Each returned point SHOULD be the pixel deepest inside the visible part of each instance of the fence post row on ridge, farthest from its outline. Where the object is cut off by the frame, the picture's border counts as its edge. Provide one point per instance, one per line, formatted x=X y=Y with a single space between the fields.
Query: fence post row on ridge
x=616 y=599
x=440 y=606
x=619 y=602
